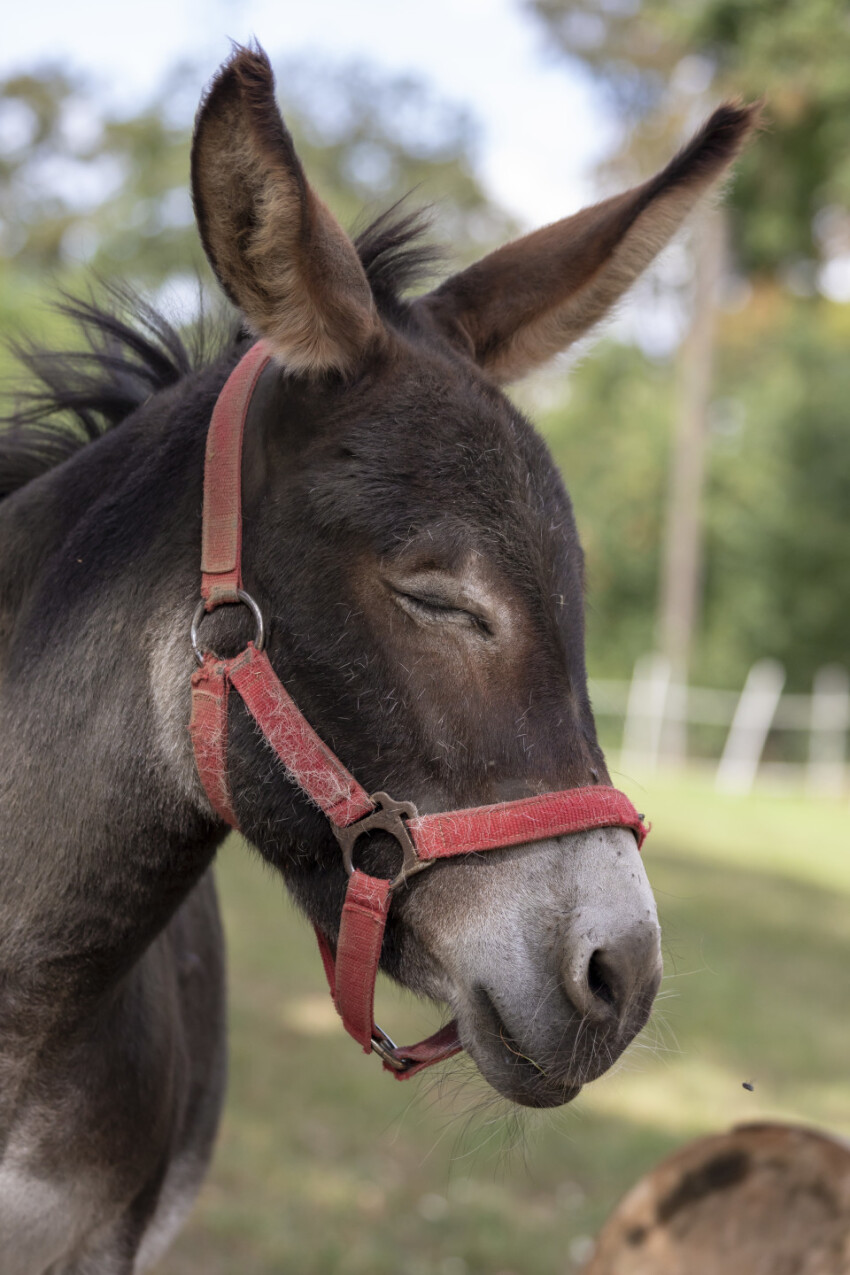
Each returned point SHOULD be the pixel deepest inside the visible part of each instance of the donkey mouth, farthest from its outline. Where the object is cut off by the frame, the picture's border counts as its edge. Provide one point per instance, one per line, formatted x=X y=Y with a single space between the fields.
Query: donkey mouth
x=505 y=1063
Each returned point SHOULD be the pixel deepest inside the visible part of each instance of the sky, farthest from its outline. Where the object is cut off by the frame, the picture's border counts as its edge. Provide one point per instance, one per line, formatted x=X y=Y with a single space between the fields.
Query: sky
x=542 y=126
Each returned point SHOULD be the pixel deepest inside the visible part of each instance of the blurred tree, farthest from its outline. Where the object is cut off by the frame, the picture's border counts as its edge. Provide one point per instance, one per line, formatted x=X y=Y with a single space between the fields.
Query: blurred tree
x=78 y=184
x=610 y=439
x=777 y=579
x=791 y=198
x=776 y=576
x=82 y=184
x=778 y=549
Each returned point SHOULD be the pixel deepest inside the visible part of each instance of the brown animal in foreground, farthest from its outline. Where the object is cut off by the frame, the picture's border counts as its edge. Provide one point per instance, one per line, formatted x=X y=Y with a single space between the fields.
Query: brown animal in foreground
x=765 y=1199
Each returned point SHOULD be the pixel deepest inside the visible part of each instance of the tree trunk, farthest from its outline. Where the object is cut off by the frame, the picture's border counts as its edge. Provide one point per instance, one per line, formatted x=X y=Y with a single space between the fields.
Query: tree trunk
x=682 y=551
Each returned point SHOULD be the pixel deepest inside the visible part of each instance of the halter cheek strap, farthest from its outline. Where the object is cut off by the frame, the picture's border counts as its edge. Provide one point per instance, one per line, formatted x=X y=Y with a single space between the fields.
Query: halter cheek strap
x=308 y=762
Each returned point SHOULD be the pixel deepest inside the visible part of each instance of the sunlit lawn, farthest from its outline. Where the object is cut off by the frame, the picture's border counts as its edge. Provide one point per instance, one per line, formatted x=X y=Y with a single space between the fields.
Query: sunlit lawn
x=325 y=1164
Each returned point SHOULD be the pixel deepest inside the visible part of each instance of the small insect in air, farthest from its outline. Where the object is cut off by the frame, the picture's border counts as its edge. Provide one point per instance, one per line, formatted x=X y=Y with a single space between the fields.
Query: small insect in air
x=748 y=1084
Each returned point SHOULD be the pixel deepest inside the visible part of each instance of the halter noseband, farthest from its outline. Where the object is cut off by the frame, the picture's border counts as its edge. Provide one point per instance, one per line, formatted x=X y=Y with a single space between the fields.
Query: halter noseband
x=308 y=762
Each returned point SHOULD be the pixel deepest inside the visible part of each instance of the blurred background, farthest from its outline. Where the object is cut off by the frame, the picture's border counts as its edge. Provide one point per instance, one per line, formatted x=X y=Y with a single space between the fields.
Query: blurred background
x=704 y=434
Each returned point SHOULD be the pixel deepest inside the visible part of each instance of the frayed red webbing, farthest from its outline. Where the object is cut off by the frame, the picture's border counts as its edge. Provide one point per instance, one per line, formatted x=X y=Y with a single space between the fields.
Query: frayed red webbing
x=208 y=729
x=444 y=1044
x=358 y=953
x=314 y=767
x=355 y=1010
x=221 y=551
x=511 y=823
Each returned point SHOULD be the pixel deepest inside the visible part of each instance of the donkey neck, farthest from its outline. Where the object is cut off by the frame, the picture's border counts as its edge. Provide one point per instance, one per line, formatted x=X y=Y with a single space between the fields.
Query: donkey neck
x=105 y=829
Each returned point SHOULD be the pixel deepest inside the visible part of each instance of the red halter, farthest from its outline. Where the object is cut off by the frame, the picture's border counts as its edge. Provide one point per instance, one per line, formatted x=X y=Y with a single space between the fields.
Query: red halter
x=353 y=968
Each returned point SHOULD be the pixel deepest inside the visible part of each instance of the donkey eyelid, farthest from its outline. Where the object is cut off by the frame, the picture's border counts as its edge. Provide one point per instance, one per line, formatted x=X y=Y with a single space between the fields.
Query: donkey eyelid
x=435 y=609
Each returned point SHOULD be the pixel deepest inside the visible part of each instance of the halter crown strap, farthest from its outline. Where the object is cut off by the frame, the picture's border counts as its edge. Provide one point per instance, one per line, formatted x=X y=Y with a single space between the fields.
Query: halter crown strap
x=309 y=763
x=221 y=545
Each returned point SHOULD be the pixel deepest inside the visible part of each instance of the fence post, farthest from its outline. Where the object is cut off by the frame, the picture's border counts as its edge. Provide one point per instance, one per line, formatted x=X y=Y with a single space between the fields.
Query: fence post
x=750 y=726
x=830 y=720
x=645 y=713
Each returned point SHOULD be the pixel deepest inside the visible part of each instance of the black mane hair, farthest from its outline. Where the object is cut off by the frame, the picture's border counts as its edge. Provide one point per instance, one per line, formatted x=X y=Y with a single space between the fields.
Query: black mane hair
x=395 y=253
x=132 y=352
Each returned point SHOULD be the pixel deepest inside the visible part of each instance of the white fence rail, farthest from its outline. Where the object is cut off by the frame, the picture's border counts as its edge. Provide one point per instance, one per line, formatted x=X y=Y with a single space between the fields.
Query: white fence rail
x=656 y=712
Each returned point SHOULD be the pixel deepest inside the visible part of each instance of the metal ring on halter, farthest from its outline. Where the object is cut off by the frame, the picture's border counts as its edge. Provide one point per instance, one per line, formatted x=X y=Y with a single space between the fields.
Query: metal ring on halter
x=246 y=600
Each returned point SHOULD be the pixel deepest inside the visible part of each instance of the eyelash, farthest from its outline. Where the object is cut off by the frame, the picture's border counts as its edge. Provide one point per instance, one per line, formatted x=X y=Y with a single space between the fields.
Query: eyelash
x=432 y=609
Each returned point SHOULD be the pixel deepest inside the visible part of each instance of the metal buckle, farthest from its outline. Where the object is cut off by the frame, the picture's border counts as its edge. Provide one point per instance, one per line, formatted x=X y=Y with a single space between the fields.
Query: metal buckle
x=384 y=1045
x=389 y=816
x=201 y=611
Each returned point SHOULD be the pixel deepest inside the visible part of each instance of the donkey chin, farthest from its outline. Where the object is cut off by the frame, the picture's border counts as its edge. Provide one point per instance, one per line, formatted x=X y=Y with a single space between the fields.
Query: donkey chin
x=548 y=955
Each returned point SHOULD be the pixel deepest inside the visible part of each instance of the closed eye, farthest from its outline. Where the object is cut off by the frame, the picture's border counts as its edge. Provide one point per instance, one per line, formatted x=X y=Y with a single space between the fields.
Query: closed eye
x=430 y=609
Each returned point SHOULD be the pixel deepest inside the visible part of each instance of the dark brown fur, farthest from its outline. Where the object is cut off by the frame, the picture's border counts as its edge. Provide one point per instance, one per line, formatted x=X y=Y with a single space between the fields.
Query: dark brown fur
x=413 y=549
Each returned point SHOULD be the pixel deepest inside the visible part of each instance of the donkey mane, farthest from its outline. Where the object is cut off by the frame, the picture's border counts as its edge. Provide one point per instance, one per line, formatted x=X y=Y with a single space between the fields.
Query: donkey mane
x=395 y=255
x=132 y=352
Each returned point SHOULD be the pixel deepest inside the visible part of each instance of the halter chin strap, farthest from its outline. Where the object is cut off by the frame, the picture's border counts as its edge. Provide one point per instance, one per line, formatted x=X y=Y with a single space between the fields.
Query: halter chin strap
x=352 y=967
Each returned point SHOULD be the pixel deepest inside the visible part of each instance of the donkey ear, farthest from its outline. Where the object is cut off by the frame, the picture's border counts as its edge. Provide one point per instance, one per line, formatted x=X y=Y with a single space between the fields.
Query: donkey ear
x=532 y=298
x=278 y=252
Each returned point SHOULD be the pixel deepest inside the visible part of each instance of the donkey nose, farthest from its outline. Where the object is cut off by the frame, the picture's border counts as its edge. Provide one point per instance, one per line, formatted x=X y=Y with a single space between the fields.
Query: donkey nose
x=612 y=979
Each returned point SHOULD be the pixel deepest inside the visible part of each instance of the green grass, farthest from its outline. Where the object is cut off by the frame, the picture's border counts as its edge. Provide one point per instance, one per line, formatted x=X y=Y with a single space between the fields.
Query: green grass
x=325 y=1164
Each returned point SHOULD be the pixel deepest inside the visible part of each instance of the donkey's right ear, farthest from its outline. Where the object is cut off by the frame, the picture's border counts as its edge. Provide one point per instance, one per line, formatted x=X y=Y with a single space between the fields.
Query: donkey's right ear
x=277 y=251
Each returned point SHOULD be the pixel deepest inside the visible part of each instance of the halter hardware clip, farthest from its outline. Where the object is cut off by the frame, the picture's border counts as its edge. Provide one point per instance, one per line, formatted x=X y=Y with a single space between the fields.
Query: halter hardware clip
x=388 y=816
x=384 y=1046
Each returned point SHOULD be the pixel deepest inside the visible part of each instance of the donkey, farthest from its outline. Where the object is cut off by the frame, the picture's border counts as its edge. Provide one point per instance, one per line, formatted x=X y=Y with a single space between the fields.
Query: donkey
x=414 y=553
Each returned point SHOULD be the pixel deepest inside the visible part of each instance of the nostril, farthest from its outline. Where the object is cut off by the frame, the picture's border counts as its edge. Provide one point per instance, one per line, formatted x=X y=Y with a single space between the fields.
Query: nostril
x=613 y=979
x=599 y=986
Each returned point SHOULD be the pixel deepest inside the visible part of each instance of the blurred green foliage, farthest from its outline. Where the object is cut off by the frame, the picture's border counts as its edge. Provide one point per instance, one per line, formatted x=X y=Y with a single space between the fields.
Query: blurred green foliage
x=777 y=550
x=777 y=554
x=656 y=60
x=83 y=185
x=778 y=501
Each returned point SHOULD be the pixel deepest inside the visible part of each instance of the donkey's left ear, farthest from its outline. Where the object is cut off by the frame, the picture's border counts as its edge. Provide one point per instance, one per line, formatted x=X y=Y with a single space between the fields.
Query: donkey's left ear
x=278 y=252
x=525 y=302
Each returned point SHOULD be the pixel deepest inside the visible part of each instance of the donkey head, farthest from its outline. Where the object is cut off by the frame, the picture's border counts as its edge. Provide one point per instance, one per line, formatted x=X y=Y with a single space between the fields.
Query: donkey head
x=414 y=550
